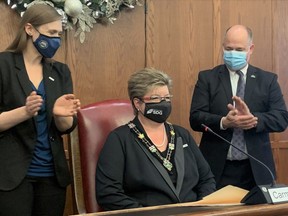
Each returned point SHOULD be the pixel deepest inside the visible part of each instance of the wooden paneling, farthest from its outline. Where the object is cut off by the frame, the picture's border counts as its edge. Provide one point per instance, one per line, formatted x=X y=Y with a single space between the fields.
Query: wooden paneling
x=102 y=65
x=180 y=42
x=280 y=46
x=243 y=12
x=280 y=64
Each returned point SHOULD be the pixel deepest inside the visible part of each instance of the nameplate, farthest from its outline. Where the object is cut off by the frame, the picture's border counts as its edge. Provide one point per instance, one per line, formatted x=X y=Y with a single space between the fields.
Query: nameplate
x=278 y=195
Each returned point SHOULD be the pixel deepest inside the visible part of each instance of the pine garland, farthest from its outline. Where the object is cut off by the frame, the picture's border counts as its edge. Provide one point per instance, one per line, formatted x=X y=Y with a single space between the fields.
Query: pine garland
x=80 y=15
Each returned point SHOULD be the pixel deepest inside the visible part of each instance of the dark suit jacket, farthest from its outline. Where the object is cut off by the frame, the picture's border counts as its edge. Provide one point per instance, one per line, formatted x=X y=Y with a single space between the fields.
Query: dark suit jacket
x=129 y=176
x=264 y=98
x=17 y=143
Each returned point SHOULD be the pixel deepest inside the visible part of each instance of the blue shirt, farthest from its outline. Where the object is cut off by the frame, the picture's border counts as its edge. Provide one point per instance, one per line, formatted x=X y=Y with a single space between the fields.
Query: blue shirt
x=42 y=161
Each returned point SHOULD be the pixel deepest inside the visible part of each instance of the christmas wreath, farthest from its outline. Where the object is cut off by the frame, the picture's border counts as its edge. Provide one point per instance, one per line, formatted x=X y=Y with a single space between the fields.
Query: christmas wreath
x=80 y=15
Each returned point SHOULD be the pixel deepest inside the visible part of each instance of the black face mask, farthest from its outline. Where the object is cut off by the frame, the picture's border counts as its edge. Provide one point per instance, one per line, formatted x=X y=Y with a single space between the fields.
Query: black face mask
x=158 y=112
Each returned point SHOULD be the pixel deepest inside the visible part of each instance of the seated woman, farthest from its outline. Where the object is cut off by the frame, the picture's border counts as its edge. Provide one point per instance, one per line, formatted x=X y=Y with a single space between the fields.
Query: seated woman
x=149 y=161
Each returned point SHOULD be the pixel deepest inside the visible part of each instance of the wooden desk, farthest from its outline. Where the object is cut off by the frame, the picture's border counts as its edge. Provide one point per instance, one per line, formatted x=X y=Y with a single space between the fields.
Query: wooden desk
x=180 y=210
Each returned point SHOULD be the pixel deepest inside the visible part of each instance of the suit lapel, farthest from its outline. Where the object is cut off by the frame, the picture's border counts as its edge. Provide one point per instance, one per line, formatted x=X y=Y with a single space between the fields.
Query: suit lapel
x=179 y=162
x=160 y=168
x=224 y=77
x=22 y=75
x=251 y=81
x=50 y=86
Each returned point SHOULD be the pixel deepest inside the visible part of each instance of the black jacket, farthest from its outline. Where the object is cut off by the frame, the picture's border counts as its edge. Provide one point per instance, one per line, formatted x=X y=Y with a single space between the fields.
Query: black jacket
x=129 y=176
x=17 y=143
x=264 y=98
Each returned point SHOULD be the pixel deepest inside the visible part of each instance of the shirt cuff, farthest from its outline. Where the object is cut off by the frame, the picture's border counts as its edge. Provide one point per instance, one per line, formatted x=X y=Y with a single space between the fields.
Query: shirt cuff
x=221 y=124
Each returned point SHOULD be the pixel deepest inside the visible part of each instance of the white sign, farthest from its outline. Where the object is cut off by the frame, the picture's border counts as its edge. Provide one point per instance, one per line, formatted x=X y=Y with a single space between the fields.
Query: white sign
x=278 y=195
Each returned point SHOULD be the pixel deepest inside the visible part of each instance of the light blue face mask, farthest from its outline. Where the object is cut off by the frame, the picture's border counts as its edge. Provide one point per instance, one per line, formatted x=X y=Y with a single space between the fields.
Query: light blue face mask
x=235 y=60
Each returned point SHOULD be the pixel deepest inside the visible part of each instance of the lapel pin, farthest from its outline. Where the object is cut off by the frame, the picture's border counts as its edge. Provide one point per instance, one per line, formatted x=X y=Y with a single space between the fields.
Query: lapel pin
x=253 y=76
x=51 y=78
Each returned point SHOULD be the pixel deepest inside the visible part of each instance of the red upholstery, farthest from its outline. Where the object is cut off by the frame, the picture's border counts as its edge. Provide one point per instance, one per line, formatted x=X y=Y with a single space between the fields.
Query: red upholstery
x=95 y=121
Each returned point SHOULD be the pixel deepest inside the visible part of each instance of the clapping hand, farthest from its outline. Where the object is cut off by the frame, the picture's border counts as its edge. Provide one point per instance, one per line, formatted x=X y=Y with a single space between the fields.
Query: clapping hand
x=33 y=104
x=66 y=105
x=239 y=115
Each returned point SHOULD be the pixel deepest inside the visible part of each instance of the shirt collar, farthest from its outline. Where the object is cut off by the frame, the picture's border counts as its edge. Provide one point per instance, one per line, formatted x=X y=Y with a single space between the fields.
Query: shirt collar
x=244 y=70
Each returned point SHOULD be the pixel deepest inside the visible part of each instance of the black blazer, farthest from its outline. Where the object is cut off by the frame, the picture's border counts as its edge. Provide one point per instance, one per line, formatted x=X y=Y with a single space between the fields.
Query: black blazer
x=17 y=143
x=264 y=98
x=129 y=176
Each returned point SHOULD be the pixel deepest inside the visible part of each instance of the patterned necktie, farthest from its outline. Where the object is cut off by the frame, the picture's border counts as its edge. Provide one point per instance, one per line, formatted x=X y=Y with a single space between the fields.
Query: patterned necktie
x=238 y=133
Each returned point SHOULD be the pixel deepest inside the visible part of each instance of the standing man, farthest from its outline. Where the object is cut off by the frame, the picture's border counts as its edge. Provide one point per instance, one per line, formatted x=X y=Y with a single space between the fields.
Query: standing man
x=243 y=104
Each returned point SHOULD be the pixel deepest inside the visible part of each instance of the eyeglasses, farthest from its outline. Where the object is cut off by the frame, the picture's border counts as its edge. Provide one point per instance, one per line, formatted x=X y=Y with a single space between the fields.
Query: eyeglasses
x=157 y=98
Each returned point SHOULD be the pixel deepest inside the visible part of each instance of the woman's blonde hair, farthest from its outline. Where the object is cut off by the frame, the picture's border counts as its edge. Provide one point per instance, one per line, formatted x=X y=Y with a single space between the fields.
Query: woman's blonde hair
x=36 y=15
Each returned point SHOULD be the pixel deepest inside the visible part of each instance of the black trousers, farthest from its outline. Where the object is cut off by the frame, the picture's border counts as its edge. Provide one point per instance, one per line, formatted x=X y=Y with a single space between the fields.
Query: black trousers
x=35 y=196
x=237 y=173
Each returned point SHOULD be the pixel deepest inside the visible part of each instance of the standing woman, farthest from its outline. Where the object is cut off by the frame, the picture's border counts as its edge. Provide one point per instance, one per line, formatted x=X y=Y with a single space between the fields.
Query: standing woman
x=37 y=106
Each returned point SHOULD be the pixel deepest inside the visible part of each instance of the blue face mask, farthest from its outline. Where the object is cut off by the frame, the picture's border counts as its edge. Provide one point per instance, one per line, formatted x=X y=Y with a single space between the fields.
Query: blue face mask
x=235 y=60
x=47 y=46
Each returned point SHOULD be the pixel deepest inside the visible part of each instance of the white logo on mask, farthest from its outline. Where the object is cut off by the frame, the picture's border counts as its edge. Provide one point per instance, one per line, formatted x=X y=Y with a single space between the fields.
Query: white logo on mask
x=155 y=112
x=43 y=44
